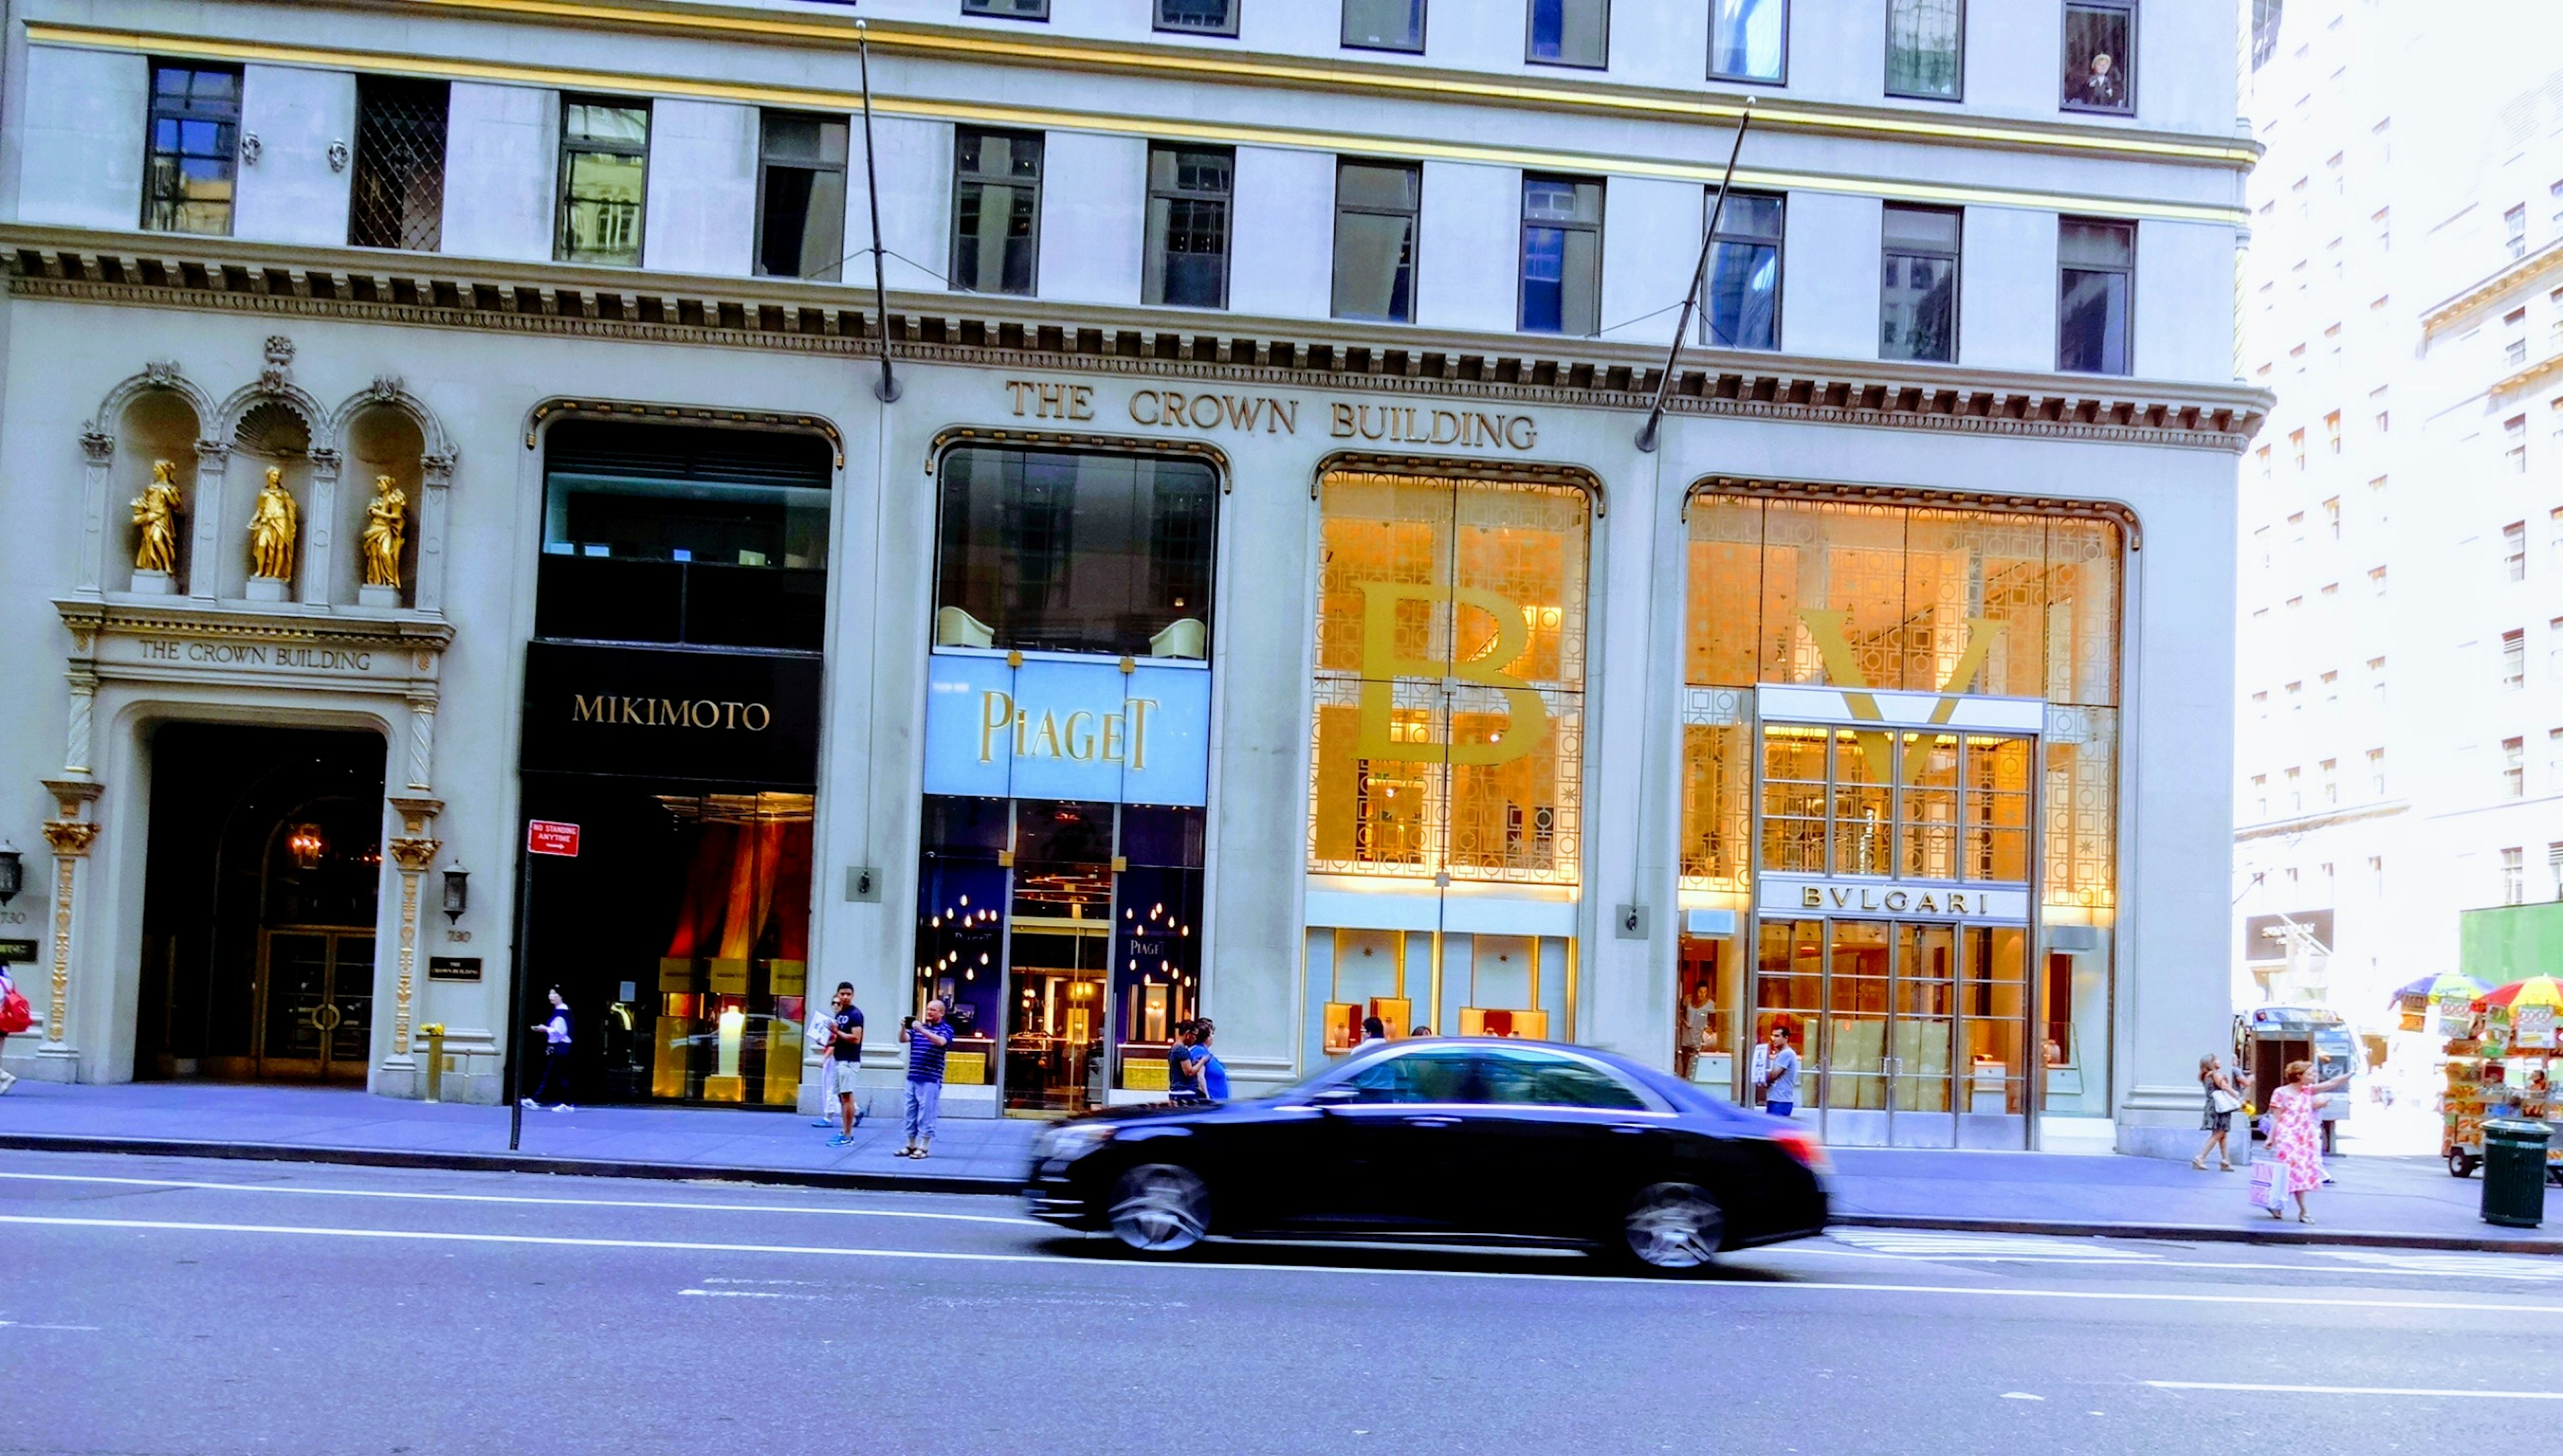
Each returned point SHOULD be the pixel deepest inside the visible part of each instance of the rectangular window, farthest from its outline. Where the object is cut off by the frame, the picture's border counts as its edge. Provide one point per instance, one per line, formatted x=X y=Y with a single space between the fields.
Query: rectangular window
x=1570 y=33
x=1742 y=309
x=1561 y=255
x=1748 y=40
x=2376 y=681
x=2332 y=431
x=604 y=172
x=2514 y=659
x=2259 y=796
x=2297 y=447
x=2331 y=517
x=2296 y=789
x=2330 y=770
x=1375 y=209
x=2513 y=550
x=1008 y=9
x=1384 y=25
x=1189 y=190
x=1198 y=17
x=1071 y=552
x=397 y=197
x=2376 y=579
x=996 y=210
x=2101 y=56
x=801 y=196
x=2514 y=876
x=193 y=149
x=2513 y=438
x=2554 y=867
x=2095 y=296
x=2514 y=225
x=1918 y=289
x=2376 y=772
x=1926 y=48
x=2554 y=759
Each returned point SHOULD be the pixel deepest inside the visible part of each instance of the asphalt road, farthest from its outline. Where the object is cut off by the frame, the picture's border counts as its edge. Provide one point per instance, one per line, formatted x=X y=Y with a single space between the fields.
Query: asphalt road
x=173 y=1306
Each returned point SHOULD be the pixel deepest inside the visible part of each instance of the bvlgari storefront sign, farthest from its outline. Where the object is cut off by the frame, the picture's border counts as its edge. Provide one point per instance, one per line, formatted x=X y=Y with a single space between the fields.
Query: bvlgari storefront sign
x=1063 y=726
x=1784 y=897
x=748 y=718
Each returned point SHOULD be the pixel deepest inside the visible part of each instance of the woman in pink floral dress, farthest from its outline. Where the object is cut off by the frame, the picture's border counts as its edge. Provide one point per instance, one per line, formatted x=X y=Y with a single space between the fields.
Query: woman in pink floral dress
x=2296 y=1138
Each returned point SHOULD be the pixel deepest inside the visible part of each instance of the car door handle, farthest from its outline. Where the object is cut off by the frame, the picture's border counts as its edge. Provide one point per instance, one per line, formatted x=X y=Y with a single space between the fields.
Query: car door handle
x=1630 y=1128
x=1432 y=1122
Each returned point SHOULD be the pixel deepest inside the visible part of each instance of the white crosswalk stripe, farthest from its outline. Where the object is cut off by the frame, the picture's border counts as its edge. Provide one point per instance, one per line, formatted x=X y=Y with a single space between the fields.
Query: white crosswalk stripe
x=1926 y=1244
x=2537 y=1267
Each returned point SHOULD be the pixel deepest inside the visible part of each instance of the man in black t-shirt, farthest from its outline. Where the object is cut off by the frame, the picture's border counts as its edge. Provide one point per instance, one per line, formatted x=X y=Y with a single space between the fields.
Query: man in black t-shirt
x=845 y=1057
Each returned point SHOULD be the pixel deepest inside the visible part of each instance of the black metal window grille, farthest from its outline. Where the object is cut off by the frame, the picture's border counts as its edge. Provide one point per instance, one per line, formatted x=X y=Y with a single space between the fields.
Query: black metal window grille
x=398 y=196
x=193 y=149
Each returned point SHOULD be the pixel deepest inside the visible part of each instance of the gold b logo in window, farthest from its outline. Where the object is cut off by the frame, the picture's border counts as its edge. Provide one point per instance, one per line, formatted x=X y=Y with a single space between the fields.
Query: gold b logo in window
x=1381 y=663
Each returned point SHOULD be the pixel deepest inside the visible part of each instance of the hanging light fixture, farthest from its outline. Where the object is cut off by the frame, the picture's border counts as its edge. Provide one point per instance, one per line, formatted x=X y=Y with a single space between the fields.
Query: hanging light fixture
x=306 y=845
x=458 y=890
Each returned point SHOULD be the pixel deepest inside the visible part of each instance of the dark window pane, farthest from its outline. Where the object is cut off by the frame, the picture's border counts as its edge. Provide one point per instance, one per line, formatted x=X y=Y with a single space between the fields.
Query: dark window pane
x=1571 y=32
x=996 y=225
x=1010 y=9
x=966 y=827
x=755 y=606
x=1541 y=1079
x=1166 y=837
x=397 y=195
x=2100 y=57
x=1748 y=40
x=1926 y=47
x=2092 y=326
x=2096 y=245
x=1919 y=311
x=1444 y=1075
x=1384 y=25
x=1203 y=17
x=801 y=230
x=1061 y=832
x=1053 y=550
x=600 y=599
x=1188 y=202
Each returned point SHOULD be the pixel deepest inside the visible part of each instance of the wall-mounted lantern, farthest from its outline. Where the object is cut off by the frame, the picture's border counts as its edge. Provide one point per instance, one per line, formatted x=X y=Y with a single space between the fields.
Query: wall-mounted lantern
x=458 y=890
x=13 y=872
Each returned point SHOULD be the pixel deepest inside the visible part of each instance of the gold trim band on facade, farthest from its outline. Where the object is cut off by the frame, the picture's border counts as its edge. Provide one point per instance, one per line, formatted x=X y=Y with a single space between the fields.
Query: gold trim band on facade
x=683 y=414
x=2120 y=515
x=1452 y=467
x=954 y=436
x=1162 y=128
x=1054 y=52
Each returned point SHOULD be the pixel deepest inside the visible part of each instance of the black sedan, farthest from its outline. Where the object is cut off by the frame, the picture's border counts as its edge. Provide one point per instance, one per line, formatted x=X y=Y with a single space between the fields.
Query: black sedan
x=1447 y=1138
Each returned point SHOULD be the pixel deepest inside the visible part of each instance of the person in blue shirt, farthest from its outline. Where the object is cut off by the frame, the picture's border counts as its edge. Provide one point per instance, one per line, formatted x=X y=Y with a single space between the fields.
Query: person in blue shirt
x=928 y=1038
x=1181 y=1086
x=845 y=1057
x=1203 y=1064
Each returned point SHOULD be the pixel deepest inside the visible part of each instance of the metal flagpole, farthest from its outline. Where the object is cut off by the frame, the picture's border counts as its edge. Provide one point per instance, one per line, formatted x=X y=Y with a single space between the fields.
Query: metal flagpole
x=887 y=389
x=1698 y=278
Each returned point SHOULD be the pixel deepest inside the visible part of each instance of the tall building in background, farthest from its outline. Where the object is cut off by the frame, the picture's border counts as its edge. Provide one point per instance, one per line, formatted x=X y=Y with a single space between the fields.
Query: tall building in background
x=2399 y=754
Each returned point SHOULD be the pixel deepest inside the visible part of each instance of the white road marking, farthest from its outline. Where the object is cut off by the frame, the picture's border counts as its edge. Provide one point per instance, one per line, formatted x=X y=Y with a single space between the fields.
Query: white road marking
x=1928 y=1243
x=2529 y=1268
x=2356 y=1390
x=2485 y=1267
x=743 y=1294
x=232 y=1188
x=23 y=1325
x=2470 y=1306
x=2021 y=1395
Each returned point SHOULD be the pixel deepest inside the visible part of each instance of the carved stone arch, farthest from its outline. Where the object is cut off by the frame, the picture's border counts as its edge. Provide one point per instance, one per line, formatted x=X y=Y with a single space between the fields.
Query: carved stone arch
x=107 y=556
x=316 y=418
x=424 y=473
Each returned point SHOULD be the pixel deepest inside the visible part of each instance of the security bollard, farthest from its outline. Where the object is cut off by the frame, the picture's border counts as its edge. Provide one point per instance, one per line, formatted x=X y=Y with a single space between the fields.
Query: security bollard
x=435 y=1032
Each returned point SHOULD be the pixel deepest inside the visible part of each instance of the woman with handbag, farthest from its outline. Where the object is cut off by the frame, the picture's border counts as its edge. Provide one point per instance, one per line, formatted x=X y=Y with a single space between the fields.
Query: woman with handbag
x=15 y=1015
x=2223 y=1099
x=2296 y=1139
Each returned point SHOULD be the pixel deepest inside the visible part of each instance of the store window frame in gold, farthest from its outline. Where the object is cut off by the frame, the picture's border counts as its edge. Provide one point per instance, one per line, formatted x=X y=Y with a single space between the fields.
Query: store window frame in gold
x=1446 y=733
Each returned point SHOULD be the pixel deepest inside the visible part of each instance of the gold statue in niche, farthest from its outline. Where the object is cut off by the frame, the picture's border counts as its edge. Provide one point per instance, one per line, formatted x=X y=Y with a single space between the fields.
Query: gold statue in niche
x=271 y=528
x=155 y=520
x=386 y=526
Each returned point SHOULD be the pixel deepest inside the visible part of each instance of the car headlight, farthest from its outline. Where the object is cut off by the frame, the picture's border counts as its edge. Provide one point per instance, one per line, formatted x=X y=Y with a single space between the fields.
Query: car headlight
x=1070 y=1140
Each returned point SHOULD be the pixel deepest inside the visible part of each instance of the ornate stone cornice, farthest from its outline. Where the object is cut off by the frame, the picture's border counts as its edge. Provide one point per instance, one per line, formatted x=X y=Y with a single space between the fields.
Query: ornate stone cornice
x=148 y=270
x=89 y=619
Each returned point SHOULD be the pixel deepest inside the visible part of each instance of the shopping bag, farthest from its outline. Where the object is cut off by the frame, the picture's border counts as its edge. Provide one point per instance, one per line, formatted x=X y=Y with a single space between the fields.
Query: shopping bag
x=15 y=1014
x=2268 y=1184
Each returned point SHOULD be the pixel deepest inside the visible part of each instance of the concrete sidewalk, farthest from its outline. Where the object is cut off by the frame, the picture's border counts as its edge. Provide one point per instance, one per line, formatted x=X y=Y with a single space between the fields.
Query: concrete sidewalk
x=2403 y=1202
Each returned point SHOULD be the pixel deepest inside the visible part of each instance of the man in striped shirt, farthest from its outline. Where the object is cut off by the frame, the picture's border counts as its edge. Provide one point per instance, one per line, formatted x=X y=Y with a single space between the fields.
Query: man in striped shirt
x=927 y=1040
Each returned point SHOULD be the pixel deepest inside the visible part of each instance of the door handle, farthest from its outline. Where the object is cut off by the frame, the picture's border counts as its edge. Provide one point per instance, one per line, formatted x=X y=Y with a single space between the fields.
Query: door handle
x=1432 y=1122
x=1629 y=1126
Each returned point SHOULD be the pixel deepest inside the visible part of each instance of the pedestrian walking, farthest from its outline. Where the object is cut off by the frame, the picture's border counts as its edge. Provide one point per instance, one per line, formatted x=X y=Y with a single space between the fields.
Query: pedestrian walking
x=1780 y=1075
x=844 y=1061
x=555 y=1083
x=1181 y=1088
x=1208 y=1072
x=927 y=1040
x=2294 y=1140
x=2223 y=1099
x=15 y=1015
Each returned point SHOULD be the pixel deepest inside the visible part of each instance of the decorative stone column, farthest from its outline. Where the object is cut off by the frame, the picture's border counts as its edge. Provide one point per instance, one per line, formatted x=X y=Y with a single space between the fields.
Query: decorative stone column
x=412 y=853
x=71 y=837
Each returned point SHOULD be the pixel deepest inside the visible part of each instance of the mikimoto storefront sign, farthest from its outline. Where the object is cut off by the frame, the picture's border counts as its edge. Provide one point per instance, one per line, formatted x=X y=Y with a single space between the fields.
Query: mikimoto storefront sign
x=717 y=717
x=1061 y=727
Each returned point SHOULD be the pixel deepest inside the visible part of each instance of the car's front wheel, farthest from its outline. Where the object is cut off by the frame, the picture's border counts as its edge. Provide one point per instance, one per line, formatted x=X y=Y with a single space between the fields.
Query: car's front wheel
x=1160 y=1208
x=1672 y=1229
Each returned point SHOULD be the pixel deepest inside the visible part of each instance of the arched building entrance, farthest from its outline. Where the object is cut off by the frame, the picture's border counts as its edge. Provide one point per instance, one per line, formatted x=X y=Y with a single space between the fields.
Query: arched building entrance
x=260 y=903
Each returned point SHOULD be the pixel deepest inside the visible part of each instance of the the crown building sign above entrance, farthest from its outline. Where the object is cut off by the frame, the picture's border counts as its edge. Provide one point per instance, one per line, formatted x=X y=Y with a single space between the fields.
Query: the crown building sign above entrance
x=1224 y=413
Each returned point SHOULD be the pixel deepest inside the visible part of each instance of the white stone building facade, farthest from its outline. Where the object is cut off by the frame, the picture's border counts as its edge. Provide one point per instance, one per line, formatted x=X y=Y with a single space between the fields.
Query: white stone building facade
x=1254 y=599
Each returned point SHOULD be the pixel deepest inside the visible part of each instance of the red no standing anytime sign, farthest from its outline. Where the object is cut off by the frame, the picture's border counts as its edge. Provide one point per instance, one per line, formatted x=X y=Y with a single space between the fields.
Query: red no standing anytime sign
x=545 y=836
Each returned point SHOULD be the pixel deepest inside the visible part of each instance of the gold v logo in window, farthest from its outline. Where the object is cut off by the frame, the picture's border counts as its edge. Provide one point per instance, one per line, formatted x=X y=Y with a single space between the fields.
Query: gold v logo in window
x=1831 y=630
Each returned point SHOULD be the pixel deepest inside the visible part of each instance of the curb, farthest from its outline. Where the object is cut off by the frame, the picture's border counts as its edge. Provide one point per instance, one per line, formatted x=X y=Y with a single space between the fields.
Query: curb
x=963 y=1184
x=884 y=1183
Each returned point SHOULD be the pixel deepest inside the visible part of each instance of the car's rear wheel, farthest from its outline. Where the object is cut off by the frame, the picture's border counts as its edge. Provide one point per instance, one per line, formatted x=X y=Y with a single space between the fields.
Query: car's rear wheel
x=1672 y=1229
x=1160 y=1208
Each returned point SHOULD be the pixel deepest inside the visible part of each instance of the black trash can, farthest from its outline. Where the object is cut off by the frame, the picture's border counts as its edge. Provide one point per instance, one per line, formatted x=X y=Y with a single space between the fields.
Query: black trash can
x=2513 y=1173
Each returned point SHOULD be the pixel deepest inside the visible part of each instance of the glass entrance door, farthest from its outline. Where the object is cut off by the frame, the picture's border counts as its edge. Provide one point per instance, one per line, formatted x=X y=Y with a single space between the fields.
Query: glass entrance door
x=1911 y=1033
x=317 y=991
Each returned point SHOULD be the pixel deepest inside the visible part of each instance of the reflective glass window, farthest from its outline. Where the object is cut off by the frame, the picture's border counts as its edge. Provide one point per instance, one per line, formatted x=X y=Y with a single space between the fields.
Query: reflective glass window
x=1748 y=40
x=2099 y=56
x=193 y=149
x=1527 y=1078
x=1188 y=220
x=1376 y=204
x=605 y=169
x=801 y=196
x=1918 y=286
x=996 y=210
x=1198 y=17
x=1075 y=552
x=1570 y=33
x=1926 y=48
x=1384 y=25
x=1742 y=307
x=2095 y=304
x=1561 y=262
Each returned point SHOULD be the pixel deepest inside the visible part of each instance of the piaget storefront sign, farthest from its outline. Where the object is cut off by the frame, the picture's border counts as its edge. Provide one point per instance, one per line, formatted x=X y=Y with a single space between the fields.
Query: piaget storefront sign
x=1060 y=726
x=1226 y=412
